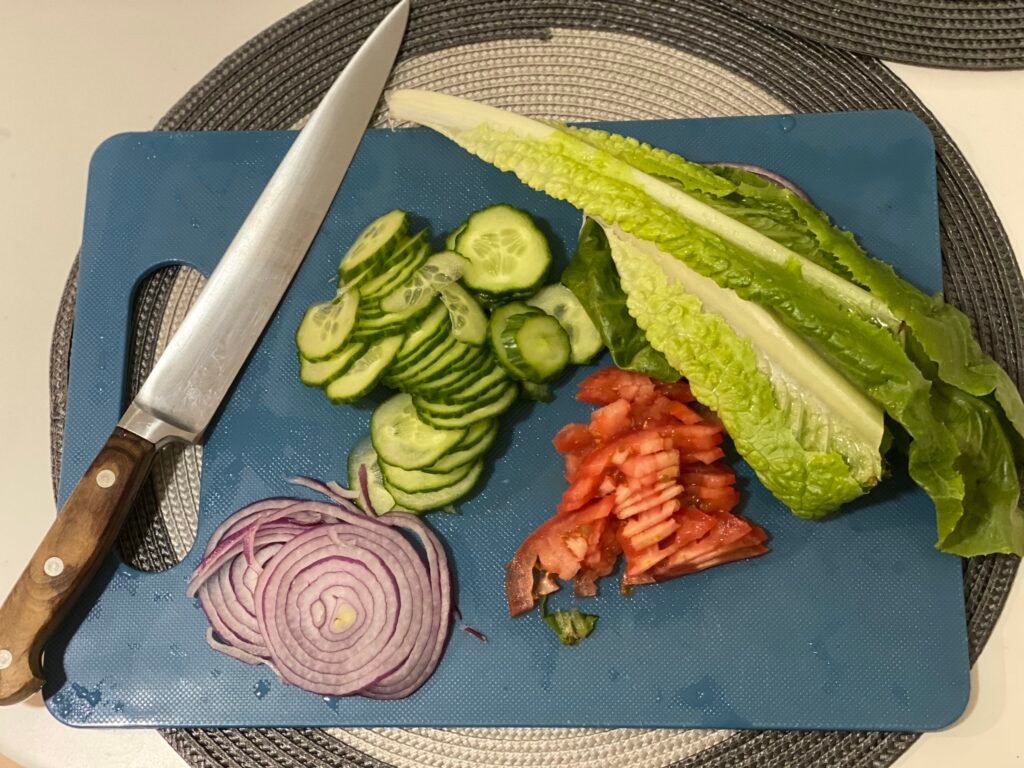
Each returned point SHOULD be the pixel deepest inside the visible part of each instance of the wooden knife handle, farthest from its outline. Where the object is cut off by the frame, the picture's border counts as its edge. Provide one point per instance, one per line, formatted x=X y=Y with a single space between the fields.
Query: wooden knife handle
x=67 y=558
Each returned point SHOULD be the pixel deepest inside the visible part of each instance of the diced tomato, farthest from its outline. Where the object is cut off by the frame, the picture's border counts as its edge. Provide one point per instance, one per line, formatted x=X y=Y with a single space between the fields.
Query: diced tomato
x=662 y=411
x=653 y=498
x=653 y=461
x=678 y=391
x=572 y=438
x=649 y=518
x=611 y=420
x=610 y=384
x=713 y=476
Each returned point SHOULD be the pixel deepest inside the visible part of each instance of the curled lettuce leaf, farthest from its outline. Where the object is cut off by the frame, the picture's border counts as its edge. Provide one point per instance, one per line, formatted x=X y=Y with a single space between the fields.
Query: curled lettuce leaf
x=852 y=309
x=592 y=277
x=813 y=439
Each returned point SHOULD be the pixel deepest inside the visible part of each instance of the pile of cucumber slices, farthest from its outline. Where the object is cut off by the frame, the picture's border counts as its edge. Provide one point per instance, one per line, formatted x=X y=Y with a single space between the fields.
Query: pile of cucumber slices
x=459 y=333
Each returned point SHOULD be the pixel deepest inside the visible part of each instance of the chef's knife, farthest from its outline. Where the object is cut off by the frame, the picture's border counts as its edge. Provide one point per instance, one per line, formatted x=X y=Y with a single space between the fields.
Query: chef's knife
x=193 y=375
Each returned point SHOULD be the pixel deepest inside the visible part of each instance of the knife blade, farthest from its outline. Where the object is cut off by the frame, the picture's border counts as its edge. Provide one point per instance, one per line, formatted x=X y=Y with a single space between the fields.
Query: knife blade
x=190 y=380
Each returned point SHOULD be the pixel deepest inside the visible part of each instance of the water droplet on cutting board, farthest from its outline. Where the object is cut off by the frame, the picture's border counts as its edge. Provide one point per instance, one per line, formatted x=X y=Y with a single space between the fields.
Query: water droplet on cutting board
x=214 y=673
x=332 y=702
x=194 y=223
x=787 y=123
x=261 y=689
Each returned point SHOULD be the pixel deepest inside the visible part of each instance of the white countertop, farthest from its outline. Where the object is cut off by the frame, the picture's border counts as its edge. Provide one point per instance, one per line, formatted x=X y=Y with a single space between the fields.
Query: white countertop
x=76 y=72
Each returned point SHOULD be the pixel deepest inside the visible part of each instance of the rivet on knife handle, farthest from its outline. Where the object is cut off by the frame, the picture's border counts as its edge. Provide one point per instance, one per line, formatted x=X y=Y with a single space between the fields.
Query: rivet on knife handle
x=67 y=558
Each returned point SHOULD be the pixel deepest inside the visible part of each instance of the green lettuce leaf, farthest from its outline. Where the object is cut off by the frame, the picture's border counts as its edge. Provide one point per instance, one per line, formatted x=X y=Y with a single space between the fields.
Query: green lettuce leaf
x=812 y=437
x=854 y=329
x=592 y=277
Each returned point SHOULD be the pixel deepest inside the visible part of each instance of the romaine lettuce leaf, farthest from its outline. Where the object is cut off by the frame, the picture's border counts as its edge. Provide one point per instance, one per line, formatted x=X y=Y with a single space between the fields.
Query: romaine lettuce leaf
x=592 y=277
x=812 y=437
x=854 y=329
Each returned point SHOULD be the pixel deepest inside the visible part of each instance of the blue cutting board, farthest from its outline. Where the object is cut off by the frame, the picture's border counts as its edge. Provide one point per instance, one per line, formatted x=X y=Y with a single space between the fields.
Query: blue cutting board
x=853 y=623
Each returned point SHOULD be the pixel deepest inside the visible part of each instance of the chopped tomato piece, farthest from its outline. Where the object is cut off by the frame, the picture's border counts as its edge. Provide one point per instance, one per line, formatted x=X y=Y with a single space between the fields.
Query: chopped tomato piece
x=610 y=384
x=646 y=482
x=678 y=391
x=611 y=420
x=572 y=438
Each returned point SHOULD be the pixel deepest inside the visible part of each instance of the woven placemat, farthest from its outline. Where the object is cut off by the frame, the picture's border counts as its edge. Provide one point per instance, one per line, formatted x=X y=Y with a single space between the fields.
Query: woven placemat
x=584 y=59
x=958 y=34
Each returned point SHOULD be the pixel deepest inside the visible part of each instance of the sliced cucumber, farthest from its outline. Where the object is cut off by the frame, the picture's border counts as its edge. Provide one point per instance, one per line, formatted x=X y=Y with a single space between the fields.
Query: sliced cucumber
x=325 y=371
x=375 y=245
x=562 y=304
x=363 y=453
x=411 y=256
x=439 y=270
x=462 y=456
x=432 y=409
x=393 y=322
x=493 y=409
x=364 y=372
x=537 y=345
x=434 y=326
x=418 y=480
x=459 y=359
x=484 y=380
x=475 y=434
x=506 y=251
x=326 y=327
x=469 y=323
x=499 y=319
x=539 y=392
x=451 y=237
x=428 y=500
x=402 y=439
x=400 y=371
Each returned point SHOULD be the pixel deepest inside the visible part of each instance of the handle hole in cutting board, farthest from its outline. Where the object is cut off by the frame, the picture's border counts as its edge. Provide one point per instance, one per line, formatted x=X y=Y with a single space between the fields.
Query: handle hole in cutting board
x=161 y=527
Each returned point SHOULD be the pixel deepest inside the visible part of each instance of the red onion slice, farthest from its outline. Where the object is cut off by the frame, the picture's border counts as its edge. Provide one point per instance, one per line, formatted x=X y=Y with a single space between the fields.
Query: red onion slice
x=334 y=600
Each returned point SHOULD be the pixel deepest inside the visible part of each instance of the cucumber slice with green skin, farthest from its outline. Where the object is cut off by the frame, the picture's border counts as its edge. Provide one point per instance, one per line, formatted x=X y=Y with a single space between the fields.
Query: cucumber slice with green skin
x=499 y=319
x=374 y=246
x=429 y=500
x=410 y=257
x=325 y=371
x=363 y=453
x=494 y=300
x=461 y=422
x=400 y=372
x=506 y=251
x=539 y=392
x=474 y=435
x=419 y=481
x=440 y=270
x=364 y=373
x=429 y=335
x=390 y=324
x=469 y=323
x=470 y=389
x=459 y=373
x=402 y=439
x=326 y=327
x=462 y=456
x=432 y=409
x=460 y=359
x=562 y=304
x=451 y=237
x=536 y=345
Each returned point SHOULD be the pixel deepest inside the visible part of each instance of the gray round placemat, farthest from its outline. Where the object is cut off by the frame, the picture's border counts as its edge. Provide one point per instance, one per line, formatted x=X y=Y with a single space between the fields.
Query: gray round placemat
x=585 y=59
x=958 y=34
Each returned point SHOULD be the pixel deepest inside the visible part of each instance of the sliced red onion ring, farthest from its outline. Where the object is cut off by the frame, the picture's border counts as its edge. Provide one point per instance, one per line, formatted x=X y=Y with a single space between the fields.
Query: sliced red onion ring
x=336 y=601
x=764 y=173
x=330 y=489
